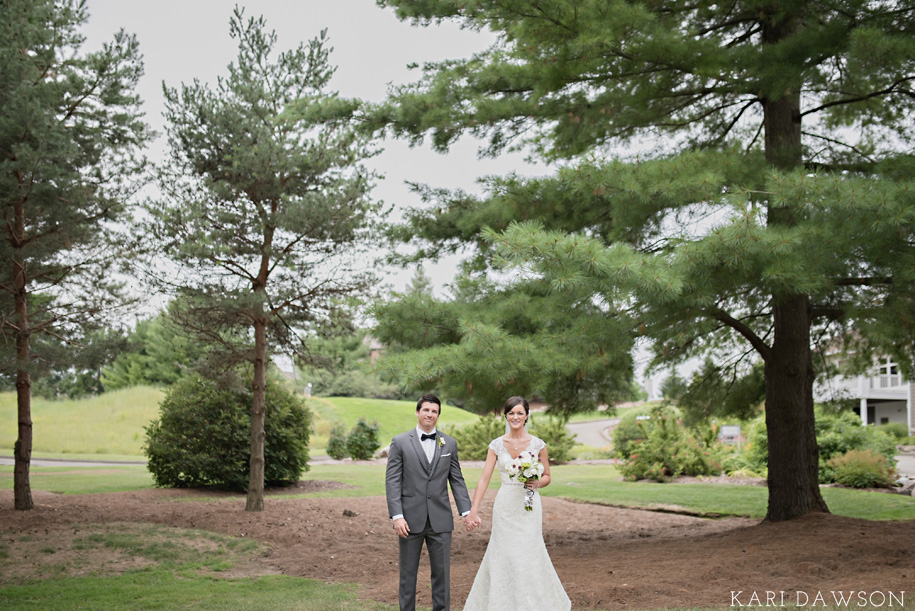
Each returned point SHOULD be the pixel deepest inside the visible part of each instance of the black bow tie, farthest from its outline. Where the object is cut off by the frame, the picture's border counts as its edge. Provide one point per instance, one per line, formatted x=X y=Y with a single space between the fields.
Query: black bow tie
x=424 y=437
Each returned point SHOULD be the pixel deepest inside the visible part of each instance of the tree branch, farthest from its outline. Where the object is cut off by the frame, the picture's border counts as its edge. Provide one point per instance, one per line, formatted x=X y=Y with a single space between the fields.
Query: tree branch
x=761 y=347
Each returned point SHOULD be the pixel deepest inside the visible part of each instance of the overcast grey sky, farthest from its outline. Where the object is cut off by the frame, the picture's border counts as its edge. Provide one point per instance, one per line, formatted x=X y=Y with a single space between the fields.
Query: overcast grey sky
x=183 y=40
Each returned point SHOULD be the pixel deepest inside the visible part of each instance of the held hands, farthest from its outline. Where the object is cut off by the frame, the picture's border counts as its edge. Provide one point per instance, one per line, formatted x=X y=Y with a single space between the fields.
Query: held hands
x=472 y=520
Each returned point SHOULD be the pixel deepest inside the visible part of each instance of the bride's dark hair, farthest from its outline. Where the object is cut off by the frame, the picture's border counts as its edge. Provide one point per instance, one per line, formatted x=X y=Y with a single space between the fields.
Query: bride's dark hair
x=514 y=402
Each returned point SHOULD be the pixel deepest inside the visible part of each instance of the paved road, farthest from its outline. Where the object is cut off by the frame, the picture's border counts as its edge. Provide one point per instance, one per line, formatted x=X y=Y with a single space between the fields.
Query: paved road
x=55 y=462
x=905 y=463
x=595 y=433
x=62 y=462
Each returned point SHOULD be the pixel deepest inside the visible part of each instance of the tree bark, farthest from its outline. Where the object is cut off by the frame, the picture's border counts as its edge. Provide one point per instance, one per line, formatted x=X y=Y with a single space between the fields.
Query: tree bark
x=793 y=478
x=22 y=489
x=793 y=455
x=255 y=500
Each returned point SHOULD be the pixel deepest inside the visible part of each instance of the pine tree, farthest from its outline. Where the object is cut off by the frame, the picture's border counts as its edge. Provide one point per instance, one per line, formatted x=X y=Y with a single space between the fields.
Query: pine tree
x=769 y=204
x=267 y=199
x=70 y=127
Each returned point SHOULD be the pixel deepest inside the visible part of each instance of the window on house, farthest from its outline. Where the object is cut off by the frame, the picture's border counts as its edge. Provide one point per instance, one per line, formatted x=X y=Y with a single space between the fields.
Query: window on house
x=887 y=375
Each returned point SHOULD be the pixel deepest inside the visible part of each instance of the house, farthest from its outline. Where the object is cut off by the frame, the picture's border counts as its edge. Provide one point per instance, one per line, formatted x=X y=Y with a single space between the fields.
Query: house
x=375 y=348
x=883 y=397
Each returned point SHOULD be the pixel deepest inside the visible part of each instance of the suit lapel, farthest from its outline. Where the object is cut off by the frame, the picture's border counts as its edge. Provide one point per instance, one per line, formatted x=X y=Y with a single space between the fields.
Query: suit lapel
x=420 y=453
x=437 y=453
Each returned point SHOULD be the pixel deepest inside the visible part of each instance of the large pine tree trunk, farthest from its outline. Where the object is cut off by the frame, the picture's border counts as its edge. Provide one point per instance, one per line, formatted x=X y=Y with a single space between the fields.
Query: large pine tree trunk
x=258 y=412
x=22 y=489
x=793 y=457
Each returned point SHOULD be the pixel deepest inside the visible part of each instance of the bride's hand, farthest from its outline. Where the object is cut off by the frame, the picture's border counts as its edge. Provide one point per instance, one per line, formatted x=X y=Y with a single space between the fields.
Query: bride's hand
x=472 y=520
x=532 y=484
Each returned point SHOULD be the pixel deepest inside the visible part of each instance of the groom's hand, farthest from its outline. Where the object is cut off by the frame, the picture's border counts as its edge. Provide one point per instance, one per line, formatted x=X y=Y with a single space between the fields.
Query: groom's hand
x=471 y=522
x=401 y=528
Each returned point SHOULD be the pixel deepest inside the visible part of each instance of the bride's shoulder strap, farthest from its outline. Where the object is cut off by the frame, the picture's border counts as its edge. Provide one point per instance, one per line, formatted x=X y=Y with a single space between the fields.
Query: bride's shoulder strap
x=537 y=444
x=496 y=444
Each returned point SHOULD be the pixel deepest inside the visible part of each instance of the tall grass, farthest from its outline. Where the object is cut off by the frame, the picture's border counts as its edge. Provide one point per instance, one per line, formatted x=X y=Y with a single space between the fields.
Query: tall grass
x=111 y=423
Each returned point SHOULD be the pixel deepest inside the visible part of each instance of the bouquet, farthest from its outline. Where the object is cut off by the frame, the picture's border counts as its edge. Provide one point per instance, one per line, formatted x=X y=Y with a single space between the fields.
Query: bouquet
x=524 y=469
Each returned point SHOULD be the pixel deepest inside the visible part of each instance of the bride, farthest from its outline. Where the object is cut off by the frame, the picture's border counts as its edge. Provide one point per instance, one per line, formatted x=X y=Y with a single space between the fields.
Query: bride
x=516 y=572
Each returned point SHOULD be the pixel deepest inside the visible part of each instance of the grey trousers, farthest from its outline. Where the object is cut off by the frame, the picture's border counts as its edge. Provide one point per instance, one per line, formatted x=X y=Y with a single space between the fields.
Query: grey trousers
x=439 y=547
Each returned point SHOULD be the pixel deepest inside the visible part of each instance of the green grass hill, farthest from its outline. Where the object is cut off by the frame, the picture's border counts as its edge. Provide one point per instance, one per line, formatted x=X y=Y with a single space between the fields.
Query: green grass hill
x=113 y=424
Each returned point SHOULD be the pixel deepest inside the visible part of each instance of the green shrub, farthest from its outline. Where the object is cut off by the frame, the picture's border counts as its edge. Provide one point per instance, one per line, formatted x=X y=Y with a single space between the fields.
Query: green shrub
x=837 y=434
x=896 y=430
x=553 y=431
x=629 y=431
x=473 y=439
x=336 y=443
x=862 y=469
x=667 y=450
x=202 y=436
x=756 y=449
x=362 y=440
x=907 y=441
x=739 y=465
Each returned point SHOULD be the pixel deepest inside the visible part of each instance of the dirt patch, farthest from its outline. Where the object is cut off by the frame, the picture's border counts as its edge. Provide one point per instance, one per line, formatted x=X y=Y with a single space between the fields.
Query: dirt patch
x=105 y=549
x=607 y=557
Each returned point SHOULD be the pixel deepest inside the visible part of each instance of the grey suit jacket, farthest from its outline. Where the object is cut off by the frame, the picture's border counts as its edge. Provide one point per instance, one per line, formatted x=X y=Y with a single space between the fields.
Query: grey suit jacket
x=418 y=489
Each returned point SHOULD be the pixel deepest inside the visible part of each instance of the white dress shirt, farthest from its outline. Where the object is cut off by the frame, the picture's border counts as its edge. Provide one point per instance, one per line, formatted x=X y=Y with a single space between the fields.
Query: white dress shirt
x=428 y=444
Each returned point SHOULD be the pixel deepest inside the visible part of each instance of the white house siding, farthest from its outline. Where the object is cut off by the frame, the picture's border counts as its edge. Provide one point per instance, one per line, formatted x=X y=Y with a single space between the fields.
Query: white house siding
x=890 y=411
x=883 y=397
x=911 y=408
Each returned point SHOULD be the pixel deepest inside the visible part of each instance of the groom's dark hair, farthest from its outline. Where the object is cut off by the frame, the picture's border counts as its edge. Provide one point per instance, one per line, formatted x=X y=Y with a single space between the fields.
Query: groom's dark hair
x=429 y=399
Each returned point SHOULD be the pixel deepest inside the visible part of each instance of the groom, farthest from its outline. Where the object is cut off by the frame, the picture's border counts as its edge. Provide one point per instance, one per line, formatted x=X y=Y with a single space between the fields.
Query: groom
x=421 y=463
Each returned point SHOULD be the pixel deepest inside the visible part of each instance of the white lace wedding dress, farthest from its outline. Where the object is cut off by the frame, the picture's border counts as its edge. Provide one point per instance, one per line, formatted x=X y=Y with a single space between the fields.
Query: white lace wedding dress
x=516 y=573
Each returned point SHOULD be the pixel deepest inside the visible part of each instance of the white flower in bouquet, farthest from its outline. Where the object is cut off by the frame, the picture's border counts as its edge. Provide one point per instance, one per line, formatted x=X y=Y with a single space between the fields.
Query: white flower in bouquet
x=525 y=468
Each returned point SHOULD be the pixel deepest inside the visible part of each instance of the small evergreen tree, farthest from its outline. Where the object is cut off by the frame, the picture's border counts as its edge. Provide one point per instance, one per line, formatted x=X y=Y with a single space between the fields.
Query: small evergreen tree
x=159 y=352
x=336 y=443
x=267 y=205
x=362 y=440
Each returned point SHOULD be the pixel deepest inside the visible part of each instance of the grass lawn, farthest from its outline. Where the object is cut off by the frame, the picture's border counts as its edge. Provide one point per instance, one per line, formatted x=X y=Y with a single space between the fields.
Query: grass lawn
x=82 y=480
x=601 y=484
x=113 y=424
x=394 y=417
x=179 y=569
x=590 y=483
x=168 y=589
x=109 y=424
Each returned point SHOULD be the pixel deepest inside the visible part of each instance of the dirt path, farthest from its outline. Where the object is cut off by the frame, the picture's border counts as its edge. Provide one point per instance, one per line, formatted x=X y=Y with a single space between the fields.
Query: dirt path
x=607 y=558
